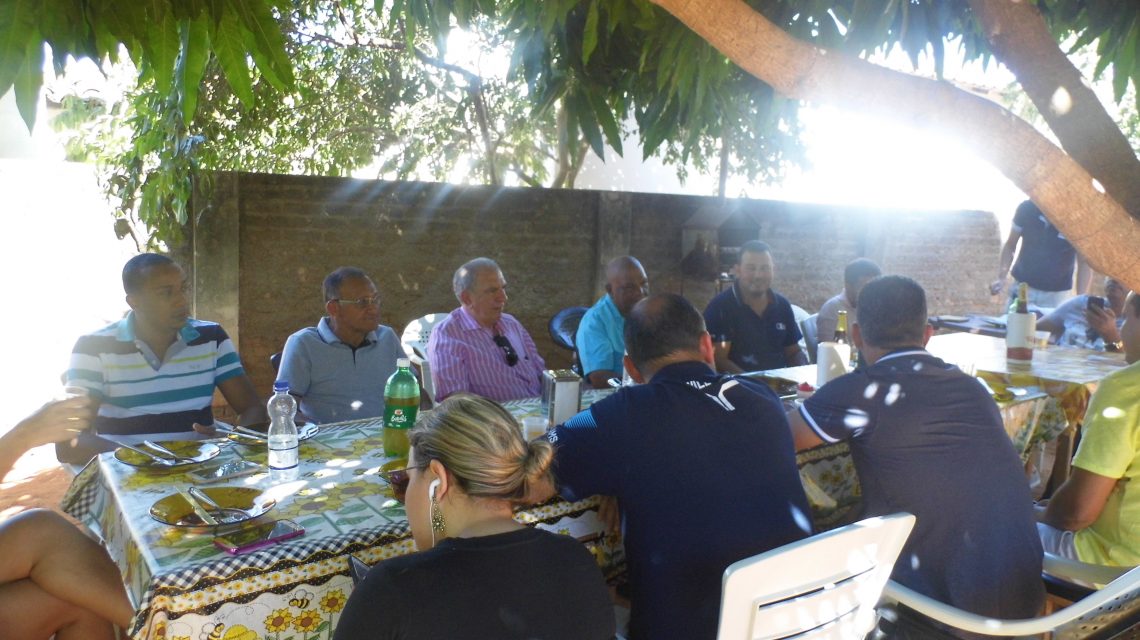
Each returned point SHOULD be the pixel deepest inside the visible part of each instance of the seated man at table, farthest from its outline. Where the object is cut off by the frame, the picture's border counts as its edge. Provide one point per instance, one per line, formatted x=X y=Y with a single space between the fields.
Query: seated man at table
x=480 y=349
x=1076 y=323
x=927 y=439
x=1092 y=517
x=339 y=367
x=855 y=276
x=600 y=340
x=752 y=326
x=154 y=371
x=701 y=464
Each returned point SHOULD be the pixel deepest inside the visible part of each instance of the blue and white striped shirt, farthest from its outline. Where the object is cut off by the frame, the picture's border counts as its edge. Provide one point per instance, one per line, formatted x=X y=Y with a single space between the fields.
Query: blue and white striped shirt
x=141 y=394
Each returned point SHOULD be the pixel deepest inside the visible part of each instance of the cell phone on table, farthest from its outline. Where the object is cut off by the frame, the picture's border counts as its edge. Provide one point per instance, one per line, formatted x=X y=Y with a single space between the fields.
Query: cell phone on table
x=232 y=469
x=256 y=537
x=1096 y=301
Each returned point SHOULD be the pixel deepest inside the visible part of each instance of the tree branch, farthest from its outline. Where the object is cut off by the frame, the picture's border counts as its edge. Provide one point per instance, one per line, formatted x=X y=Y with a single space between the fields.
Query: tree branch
x=1094 y=222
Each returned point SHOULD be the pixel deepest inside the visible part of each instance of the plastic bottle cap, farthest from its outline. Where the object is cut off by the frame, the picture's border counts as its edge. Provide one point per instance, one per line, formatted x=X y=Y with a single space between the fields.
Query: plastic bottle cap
x=281 y=385
x=403 y=362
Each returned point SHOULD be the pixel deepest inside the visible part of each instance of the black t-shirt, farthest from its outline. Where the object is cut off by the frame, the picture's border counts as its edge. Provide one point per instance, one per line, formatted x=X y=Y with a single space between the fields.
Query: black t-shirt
x=758 y=341
x=705 y=472
x=1046 y=259
x=928 y=439
x=521 y=584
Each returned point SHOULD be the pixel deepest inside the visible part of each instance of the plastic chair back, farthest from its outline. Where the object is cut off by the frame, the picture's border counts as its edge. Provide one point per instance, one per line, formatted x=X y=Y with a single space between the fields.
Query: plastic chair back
x=564 y=326
x=415 y=341
x=825 y=586
x=811 y=335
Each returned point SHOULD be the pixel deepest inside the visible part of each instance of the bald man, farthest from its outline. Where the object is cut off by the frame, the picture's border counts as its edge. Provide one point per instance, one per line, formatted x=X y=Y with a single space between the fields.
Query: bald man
x=600 y=344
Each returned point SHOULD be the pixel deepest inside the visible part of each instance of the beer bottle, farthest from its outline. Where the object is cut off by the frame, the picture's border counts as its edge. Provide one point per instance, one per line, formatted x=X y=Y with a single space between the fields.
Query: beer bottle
x=401 y=403
x=841 y=328
x=1022 y=297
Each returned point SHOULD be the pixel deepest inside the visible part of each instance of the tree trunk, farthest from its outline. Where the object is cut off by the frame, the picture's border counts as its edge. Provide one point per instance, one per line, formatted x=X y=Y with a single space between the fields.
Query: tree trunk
x=1096 y=224
x=1020 y=39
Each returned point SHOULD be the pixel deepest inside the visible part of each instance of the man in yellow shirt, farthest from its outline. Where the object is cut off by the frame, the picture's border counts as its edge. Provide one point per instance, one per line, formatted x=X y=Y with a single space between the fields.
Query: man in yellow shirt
x=1095 y=515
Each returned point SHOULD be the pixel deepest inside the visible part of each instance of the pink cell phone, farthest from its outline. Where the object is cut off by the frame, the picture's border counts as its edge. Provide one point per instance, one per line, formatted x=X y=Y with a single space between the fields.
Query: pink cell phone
x=262 y=535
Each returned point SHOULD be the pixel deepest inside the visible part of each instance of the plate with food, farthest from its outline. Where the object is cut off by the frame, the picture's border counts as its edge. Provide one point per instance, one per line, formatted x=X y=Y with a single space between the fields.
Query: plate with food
x=782 y=386
x=167 y=454
x=227 y=505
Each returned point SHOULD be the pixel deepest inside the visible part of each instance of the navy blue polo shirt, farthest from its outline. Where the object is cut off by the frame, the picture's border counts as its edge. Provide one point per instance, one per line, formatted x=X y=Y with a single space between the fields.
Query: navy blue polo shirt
x=1046 y=259
x=705 y=472
x=927 y=439
x=758 y=342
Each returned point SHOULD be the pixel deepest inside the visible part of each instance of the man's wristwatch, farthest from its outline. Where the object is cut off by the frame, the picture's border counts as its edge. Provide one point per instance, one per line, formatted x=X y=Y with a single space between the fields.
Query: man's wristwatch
x=1114 y=347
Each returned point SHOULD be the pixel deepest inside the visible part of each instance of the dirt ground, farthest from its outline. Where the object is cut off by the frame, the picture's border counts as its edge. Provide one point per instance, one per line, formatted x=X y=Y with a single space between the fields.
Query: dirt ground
x=36 y=481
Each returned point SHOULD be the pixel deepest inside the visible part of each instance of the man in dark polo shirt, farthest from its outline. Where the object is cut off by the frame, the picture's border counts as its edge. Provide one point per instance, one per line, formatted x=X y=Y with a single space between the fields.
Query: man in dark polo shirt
x=752 y=326
x=927 y=439
x=1045 y=262
x=701 y=464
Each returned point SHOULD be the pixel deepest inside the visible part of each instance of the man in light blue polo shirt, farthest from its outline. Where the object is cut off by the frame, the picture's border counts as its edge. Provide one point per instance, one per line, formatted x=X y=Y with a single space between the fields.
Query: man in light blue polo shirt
x=600 y=341
x=338 y=368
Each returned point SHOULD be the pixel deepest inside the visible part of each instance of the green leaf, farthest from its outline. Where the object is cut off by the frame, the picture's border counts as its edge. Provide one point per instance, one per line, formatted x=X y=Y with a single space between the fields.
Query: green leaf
x=17 y=25
x=265 y=43
x=228 y=47
x=161 y=44
x=590 y=34
x=589 y=125
x=192 y=64
x=30 y=79
x=606 y=118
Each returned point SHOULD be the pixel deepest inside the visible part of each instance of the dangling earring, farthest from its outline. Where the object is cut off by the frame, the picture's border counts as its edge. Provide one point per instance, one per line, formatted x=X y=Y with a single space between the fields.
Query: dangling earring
x=436 y=520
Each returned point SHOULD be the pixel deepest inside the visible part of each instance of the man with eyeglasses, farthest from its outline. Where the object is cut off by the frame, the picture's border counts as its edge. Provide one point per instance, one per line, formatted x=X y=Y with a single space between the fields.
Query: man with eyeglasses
x=338 y=368
x=599 y=341
x=154 y=371
x=480 y=349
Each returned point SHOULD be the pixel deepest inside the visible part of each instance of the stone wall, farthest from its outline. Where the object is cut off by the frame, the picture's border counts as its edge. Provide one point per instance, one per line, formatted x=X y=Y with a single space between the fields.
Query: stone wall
x=263 y=243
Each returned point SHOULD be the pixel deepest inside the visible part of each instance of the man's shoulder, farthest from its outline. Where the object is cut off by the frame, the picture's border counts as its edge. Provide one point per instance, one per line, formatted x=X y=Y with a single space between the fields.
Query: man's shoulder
x=449 y=327
x=206 y=331
x=833 y=305
x=105 y=339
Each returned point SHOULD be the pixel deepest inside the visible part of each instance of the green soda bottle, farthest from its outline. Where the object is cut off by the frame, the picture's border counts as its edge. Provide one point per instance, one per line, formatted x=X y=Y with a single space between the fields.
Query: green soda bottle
x=401 y=403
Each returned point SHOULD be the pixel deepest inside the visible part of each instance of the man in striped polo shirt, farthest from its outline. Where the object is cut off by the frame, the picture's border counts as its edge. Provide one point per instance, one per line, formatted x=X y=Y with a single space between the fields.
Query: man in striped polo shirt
x=154 y=371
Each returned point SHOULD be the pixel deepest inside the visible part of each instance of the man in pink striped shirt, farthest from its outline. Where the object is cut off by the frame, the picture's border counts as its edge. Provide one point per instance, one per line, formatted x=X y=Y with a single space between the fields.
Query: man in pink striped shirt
x=480 y=349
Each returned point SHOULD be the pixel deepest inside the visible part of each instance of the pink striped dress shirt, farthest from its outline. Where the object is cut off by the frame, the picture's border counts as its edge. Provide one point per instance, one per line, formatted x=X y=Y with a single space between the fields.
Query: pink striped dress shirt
x=464 y=357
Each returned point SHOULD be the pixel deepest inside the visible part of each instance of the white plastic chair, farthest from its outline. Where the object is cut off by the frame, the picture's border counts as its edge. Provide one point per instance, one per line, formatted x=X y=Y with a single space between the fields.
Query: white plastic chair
x=811 y=335
x=1100 y=615
x=825 y=586
x=801 y=314
x=415 y=340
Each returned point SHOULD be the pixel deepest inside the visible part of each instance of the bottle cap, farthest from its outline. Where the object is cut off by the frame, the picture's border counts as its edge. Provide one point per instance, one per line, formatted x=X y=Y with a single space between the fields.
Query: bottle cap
x=281 y=385
x=403 y=362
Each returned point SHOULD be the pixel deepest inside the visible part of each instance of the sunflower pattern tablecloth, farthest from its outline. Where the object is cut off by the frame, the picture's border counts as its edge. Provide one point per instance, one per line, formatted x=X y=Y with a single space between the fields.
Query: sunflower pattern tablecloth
x=186 y=589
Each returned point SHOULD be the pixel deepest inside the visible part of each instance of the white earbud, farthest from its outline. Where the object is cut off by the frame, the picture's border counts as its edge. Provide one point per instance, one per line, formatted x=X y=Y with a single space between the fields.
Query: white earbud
x=431 y=488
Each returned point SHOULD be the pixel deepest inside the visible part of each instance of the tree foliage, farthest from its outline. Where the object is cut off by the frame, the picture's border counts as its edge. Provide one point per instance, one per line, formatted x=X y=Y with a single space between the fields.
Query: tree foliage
x=334 y=85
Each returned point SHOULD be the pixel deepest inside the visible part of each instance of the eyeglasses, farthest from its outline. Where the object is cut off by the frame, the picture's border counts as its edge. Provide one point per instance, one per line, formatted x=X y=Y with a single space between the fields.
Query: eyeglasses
x=399 y=480
x=373 y=301
x=505 y=345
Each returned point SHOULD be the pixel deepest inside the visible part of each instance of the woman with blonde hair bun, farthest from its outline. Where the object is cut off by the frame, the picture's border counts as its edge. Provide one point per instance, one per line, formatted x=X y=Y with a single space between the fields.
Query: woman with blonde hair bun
x=479 y=573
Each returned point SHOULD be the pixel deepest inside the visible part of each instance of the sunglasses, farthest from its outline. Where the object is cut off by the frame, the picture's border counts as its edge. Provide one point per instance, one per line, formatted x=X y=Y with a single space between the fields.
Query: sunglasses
x=505 y=345
x=399 y=480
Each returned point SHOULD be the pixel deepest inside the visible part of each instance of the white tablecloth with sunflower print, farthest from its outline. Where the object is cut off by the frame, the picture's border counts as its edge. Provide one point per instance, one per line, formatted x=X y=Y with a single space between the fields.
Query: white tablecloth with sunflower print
x=184 y=588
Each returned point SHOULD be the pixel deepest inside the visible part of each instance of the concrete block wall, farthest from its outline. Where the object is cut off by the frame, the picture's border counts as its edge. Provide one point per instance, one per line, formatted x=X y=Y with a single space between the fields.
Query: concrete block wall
x=263 y=243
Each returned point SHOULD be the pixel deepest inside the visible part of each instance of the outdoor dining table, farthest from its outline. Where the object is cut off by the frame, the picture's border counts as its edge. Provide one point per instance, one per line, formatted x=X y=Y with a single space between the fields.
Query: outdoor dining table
x=1038 y=403
x=185 y=588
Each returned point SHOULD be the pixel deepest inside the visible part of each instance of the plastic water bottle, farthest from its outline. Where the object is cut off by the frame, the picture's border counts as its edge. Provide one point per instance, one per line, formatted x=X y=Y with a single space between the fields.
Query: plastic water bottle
x=401 y=404
x=282 y=436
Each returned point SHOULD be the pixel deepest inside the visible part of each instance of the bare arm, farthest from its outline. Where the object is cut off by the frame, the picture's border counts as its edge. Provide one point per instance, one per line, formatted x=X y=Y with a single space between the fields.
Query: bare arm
x=802 y=435
x=720 y=355
x=1007 y=251
x=795 y=356
x=243 y=399
x=1078 y=503
x=56 y=421
x=600 y=379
